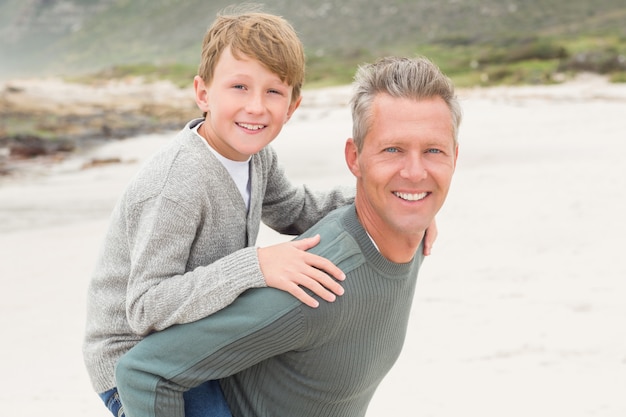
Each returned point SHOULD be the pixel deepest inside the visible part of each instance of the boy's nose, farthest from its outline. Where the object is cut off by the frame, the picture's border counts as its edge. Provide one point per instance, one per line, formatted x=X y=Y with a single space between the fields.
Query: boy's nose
x=255 y=104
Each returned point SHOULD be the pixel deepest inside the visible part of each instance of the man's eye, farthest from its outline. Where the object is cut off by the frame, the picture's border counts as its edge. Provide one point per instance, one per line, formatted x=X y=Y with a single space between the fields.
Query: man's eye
x=434 y=150
x=391 y=150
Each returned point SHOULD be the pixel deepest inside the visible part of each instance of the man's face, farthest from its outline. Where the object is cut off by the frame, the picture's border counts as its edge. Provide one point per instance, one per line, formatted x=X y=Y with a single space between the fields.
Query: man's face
x=405 y=167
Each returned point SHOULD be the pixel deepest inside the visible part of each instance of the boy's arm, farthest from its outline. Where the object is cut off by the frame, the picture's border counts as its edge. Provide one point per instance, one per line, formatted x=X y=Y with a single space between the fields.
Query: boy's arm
x=291 y=209
x=161 y=291
x=152 y=377
x=295 y=212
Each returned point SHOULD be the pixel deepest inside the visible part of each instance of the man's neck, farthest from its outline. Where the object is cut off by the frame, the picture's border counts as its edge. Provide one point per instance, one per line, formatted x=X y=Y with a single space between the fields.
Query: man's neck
x=398 y=250
x=394 y=247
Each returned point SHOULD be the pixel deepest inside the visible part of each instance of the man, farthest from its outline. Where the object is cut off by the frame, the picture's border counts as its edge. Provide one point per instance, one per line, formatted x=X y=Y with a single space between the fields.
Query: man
x=275 y=356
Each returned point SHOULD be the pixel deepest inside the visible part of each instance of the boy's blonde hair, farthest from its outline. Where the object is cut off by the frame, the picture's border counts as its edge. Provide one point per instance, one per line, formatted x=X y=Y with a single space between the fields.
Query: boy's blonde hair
x=267 y=38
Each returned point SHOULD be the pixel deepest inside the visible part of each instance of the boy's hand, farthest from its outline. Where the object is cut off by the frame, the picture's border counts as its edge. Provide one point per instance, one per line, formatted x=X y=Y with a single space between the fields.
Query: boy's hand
x=429 y=238
x=288 y=267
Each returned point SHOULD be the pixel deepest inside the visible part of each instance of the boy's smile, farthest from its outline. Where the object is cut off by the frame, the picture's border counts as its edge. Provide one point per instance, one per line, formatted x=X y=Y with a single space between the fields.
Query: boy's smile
x=246 y=104
x=251 y=126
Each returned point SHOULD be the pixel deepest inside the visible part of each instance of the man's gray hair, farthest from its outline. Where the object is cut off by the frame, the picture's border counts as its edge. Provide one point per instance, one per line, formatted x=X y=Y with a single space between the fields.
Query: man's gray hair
x=414 y=78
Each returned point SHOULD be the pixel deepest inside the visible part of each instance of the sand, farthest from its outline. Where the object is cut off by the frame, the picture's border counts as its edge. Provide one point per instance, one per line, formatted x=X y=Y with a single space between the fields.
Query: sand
x=520 y=310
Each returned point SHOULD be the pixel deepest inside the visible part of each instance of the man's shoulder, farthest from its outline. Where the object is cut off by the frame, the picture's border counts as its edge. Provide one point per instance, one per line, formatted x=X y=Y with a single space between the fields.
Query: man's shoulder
x=338 y=242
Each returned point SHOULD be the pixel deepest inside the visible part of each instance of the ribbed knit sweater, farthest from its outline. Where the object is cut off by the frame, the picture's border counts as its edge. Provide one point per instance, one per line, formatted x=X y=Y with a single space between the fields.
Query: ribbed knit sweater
x=278 y=357
x=180 y=245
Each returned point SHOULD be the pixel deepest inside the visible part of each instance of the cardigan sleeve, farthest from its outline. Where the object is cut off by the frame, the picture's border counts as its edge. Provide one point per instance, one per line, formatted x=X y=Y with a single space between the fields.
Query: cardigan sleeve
x=292 y=209
x=161 y=291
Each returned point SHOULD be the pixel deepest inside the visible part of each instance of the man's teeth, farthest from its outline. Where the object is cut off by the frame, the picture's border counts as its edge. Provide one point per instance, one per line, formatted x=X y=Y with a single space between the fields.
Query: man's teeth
x=410 y=197
x=251 y=127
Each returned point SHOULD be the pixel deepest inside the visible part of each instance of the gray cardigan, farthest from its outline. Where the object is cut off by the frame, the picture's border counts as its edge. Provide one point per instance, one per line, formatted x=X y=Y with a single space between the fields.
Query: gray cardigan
x=180 y=245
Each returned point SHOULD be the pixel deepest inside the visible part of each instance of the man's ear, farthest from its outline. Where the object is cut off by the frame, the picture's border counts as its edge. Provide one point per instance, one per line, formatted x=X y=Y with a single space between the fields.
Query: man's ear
x=352 y=157
x=202 y=95
x=292 y=108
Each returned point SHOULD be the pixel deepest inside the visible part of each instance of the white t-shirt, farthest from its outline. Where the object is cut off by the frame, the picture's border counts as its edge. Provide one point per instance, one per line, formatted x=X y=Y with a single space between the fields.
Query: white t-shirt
x=238 y=170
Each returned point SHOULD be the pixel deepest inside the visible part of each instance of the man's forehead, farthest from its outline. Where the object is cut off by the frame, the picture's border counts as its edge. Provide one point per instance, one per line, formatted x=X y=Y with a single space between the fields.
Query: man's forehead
x=425 y=113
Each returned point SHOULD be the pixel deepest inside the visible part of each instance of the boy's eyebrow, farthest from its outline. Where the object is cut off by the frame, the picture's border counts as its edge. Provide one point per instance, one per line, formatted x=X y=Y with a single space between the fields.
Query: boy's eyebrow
x=237 y=74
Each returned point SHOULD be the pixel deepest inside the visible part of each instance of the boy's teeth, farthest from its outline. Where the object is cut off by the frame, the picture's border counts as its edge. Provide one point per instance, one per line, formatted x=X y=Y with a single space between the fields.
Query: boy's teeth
x=411 y=197
x=251 y=127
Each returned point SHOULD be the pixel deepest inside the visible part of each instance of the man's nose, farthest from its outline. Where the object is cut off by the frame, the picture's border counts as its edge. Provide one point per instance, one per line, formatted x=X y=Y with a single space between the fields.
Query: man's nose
x=414 y=168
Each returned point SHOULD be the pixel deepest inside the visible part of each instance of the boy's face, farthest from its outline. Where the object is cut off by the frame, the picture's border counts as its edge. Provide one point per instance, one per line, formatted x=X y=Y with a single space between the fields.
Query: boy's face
x=246 y=104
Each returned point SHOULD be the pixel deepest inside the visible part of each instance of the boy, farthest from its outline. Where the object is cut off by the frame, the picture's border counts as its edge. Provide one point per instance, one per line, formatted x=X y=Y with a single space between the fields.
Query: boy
x=181 y=241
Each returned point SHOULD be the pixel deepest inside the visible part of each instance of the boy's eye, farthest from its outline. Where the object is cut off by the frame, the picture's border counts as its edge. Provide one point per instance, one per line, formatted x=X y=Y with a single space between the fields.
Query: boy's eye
x=239 y=86
x=272 y=91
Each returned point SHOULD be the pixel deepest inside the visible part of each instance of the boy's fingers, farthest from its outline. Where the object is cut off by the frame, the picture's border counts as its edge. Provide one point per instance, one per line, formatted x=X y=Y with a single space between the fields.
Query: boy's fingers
x=321 y=291
x=303 y=297
x=325 y=265
x=321 y=283
x=430 y=237
x=317 y=261
x=306 y=243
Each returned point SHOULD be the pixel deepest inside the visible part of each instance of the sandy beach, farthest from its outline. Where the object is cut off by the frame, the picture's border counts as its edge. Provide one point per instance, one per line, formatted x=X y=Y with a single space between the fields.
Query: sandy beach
x=520 y=311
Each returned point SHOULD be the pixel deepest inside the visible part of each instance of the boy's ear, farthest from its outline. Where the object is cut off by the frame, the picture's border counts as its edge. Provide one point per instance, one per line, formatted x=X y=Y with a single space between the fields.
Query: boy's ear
x=292 y=108
x=202 y=95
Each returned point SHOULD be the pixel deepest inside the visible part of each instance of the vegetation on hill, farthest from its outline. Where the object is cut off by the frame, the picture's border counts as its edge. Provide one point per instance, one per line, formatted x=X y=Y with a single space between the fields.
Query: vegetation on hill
x=474 y=41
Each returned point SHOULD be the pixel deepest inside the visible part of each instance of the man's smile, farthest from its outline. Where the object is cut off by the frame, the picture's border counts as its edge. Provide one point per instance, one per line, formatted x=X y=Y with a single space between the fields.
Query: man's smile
x=410 y=196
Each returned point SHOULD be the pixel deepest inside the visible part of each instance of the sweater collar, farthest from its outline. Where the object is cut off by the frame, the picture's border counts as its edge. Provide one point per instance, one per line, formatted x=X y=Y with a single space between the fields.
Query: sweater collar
x=390 y=269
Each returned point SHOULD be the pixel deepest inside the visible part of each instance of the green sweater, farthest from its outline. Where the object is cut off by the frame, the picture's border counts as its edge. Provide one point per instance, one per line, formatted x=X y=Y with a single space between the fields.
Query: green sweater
x=180 y=245
x=277 y=357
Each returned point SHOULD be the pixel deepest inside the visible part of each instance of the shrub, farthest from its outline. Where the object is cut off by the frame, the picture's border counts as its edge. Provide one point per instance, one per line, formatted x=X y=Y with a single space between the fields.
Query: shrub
x=601 y=61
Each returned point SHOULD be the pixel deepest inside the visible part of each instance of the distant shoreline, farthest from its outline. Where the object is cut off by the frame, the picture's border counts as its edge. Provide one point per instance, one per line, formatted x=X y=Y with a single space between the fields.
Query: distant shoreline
x=46 y=119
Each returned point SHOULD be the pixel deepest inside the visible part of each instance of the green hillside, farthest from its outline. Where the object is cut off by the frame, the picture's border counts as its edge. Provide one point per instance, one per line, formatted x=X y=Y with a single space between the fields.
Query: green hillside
x=473 y=40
